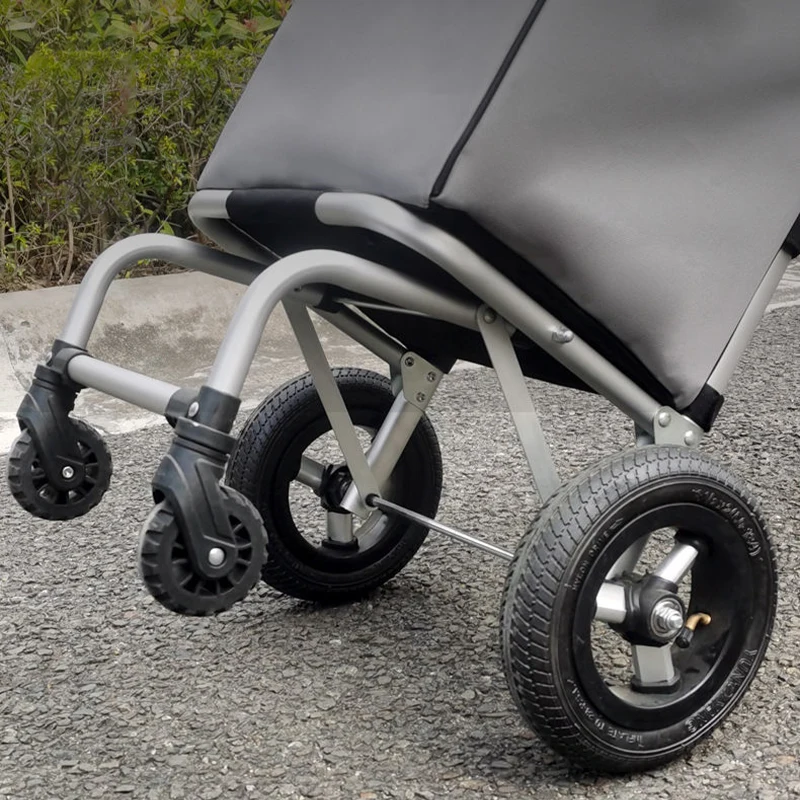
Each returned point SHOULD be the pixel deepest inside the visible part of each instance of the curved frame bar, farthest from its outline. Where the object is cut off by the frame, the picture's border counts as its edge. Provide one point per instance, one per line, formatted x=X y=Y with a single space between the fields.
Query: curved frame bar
x=320 y=266
x=129 y=252
x=523 y=312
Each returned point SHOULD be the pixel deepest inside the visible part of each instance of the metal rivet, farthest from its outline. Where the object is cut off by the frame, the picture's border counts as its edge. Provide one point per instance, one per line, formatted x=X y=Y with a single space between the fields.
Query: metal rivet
x=664 y=418
x=690 y=438
x=563 y=335
x=216 y=556
x=489 y=316
x=420 y=397
x=431 y=376
x=193 y=409
x=68 y=473
x=408 y=361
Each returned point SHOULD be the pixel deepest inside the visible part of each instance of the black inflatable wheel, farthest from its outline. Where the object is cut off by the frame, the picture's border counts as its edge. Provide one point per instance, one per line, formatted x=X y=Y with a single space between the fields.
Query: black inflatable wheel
x=300 y=560
x=32 y=490
x=168 y=574
x=553 y=646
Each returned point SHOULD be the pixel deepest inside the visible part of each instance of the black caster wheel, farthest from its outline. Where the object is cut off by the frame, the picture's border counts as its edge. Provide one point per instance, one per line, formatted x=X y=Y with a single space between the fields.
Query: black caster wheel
x=167 y=571
x=270 y=465
x=32 y=490
x=638 y=609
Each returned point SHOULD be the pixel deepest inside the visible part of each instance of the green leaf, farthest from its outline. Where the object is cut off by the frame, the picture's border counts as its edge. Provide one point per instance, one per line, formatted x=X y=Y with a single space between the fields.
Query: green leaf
x=20 y=24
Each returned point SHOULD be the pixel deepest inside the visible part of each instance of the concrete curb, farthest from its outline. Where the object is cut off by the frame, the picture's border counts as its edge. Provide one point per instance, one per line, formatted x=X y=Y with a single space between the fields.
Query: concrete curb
x=170 y=327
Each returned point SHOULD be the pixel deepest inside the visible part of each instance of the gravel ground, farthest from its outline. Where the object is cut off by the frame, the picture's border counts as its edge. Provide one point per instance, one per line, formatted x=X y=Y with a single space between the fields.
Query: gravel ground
x=103 y=693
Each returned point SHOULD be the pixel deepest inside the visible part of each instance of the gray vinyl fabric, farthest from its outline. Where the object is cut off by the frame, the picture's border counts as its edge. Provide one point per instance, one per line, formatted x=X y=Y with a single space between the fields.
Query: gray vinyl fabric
x=645 y=156
x=364 y=95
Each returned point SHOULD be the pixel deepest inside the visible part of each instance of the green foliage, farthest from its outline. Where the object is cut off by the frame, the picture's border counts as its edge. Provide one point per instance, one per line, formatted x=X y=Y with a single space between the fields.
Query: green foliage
x=107 y=112
x=151 y=24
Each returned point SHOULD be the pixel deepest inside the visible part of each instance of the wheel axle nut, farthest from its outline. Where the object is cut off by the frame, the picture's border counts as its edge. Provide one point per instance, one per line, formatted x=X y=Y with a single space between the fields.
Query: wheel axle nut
x=68 y=473
x=216 y=556
x=666 y=618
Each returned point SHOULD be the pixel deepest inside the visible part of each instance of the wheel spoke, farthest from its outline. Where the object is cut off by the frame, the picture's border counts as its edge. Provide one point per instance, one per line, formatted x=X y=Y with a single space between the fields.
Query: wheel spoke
x=610 y=604
x=310 y=474
x=627 y=562
x=677 y=563
x=340 y=527
x=653 y=665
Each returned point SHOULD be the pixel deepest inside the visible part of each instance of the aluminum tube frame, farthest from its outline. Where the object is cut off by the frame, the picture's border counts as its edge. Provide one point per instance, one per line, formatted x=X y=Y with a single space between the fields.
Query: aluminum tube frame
x=526 y=420
x=366 y=334
x=124 y=384
x=277 y=283
x=388 y=446
x=493 y=288
x=129 y=252
x=732 y=355
x=332 y=401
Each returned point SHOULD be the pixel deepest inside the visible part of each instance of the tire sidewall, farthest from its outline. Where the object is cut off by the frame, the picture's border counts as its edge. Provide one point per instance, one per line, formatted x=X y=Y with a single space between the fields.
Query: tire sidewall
x=368 y=397
x=578 y=704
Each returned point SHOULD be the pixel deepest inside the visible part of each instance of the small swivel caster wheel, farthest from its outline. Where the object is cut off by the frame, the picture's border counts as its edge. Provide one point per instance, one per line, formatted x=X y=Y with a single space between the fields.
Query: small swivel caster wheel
x=166 y=567
x=33 y=490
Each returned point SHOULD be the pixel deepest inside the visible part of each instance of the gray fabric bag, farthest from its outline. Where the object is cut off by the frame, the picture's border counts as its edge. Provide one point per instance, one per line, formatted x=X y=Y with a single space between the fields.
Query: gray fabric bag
x=642 y=156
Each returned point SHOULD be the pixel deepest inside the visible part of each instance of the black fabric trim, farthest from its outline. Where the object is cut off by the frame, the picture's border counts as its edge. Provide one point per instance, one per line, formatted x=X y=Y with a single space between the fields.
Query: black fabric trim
x=705 y=407
x=792 y=245
x=284 y=220
x=438 y=186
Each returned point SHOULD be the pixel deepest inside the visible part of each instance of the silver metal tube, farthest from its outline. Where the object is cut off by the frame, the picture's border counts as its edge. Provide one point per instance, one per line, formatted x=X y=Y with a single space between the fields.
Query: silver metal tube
x=387 y=447
x=141 y=390
x=365 y=333
x=340 y=527
x=628 y=560
x=610 y=604
x=752 y=316
x=310 y=474
x=127 y=253
x=431 y=524
x=331 y=399
x=653 y=665
x=677 y=563
x=392 y=220
x=526 y=420
x=319 y=266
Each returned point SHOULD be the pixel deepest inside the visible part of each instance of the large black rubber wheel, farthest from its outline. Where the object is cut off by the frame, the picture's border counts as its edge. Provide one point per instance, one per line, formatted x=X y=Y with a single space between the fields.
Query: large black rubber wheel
x=264 y=465
x=552 y=644
x=31 y=488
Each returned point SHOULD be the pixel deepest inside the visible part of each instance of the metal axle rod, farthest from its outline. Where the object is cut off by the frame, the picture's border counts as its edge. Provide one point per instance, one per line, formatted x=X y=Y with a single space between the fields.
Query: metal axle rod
x=391 y=508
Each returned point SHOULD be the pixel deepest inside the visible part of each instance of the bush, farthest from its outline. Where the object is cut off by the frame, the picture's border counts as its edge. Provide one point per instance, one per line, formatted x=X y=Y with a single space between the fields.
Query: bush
x=100 y=140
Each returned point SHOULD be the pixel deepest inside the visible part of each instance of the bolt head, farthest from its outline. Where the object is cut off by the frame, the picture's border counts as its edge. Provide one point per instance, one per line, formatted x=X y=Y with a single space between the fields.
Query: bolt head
x=664 y=418
x=216 y=556
x=193 y=409
x=690 y=438
x=563 y=336
x=666 y=618
x=68 y=473
x=420 y=397
x=489 y=316
x=408 y=361
x=431 y=376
